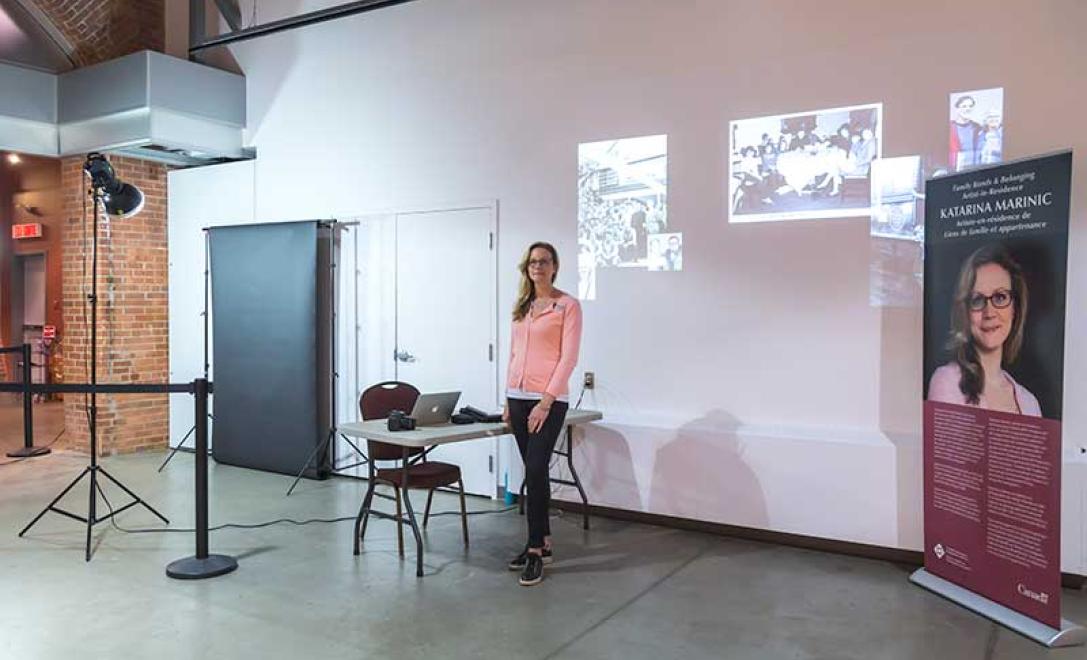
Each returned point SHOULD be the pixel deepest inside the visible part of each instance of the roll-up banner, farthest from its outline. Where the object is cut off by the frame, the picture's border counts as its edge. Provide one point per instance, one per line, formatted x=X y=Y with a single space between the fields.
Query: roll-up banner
x=996 y=253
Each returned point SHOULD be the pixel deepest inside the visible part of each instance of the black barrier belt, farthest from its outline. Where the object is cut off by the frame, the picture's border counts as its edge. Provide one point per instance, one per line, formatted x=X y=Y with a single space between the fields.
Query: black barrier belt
x=11 y=349
x=102 y=388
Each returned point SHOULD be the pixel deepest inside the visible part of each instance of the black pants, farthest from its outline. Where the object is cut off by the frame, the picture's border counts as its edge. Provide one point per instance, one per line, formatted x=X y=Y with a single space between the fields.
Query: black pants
x=536 y=451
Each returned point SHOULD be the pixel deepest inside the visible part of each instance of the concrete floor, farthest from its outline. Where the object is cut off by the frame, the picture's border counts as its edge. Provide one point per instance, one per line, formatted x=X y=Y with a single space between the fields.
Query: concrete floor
x=619 y=590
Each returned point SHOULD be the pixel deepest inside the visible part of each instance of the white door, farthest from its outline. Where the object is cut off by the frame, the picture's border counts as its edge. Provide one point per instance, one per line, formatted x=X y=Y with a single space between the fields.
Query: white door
x=34 y=311
x=446 y=288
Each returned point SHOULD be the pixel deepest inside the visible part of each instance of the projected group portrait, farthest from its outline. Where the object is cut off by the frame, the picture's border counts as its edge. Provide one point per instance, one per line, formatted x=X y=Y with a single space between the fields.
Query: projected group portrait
x=805 y=165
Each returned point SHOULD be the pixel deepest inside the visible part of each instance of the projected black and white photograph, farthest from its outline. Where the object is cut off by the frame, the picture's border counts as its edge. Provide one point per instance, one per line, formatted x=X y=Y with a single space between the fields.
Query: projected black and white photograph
x=895 y=273
x=666 y=252
x=896 y=195
x=586 y=272
x=622 y=200
x=803 y=166
x=976 y=135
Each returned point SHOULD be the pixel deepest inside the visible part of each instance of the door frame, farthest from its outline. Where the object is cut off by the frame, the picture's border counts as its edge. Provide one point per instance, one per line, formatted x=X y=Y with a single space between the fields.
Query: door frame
x=492 y=206
x=19 y=263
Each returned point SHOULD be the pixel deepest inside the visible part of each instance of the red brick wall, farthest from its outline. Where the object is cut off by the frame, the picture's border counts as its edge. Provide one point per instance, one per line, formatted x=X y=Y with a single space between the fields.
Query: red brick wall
x=132 y=255
x=132 y=310
x=101 y=30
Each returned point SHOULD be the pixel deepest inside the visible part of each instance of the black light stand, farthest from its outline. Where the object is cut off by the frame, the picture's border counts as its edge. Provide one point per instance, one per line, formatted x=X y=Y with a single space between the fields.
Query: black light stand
x=28 y=449
x=99 y=189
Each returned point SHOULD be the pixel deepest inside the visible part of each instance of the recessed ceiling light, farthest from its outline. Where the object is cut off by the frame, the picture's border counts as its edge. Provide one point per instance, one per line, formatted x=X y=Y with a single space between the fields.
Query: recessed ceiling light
x=14 y=159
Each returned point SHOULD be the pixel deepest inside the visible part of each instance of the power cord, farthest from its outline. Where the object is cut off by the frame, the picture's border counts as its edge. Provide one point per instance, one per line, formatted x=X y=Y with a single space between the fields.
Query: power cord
x=268 y=523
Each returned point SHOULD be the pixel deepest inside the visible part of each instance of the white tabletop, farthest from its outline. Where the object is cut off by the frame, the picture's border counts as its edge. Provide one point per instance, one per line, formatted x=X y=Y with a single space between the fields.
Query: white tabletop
x=426 y=436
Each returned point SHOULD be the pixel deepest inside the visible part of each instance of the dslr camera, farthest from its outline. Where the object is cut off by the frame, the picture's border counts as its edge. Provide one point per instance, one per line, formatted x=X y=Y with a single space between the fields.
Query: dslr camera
x=401 y=421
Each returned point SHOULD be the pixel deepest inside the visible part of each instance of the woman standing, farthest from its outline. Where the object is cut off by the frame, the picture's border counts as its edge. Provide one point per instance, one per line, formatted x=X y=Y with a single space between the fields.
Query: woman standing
x=543 y=353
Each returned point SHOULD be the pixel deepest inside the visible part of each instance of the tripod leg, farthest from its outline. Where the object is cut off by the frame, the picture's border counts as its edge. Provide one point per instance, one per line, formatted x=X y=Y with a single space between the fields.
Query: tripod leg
x=90 y=511
x=174 y=451
x=355 y=447
x=316 y=448
x=133 y=495
x=55 y=500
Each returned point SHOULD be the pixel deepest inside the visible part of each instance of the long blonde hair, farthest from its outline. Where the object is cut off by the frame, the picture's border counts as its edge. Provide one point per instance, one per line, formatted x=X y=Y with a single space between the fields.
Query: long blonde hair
x=961 y=341
x=526 y=292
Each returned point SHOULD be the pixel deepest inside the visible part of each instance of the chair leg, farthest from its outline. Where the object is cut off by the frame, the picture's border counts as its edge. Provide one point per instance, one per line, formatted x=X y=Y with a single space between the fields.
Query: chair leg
x=463 y=512
x=399 y=523
x=426 y=512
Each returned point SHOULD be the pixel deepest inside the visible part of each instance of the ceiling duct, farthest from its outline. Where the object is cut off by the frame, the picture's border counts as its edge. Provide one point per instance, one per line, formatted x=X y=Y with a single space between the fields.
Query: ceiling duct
x=147 y=105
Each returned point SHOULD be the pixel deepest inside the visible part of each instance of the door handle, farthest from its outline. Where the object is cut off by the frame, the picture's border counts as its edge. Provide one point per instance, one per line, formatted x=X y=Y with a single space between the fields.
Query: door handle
x=403 y=356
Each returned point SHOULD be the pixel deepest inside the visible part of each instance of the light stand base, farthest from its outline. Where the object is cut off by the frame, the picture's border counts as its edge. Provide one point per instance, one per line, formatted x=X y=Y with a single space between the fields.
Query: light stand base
x=195 y=568
x=28 y=452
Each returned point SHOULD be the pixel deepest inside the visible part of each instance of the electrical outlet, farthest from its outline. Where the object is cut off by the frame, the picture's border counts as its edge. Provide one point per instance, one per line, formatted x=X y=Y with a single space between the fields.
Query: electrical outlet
x=590 y=380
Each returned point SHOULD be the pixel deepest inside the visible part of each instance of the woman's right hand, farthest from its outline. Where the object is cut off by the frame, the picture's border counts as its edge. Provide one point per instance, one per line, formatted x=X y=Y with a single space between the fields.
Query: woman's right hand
x=506 y=414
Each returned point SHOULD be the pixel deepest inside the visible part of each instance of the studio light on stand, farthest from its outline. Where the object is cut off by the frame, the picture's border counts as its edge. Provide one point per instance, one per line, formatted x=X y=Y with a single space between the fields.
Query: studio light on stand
x=121 y=200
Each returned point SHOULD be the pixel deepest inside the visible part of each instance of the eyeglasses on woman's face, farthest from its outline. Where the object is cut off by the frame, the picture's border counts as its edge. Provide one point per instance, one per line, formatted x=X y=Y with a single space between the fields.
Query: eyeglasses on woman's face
x=539 y=263
x=1000 y=299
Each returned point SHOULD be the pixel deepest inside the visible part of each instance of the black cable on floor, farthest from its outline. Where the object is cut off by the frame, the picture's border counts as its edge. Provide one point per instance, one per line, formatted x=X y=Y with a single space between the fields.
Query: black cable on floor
x=269 y=523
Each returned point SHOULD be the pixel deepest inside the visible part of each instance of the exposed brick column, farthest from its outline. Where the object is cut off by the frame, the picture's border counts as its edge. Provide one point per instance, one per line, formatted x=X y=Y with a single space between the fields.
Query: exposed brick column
x=132 y=310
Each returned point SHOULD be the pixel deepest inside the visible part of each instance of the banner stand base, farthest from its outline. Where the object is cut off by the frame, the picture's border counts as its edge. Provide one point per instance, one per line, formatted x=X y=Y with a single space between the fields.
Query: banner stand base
x=1070 y=634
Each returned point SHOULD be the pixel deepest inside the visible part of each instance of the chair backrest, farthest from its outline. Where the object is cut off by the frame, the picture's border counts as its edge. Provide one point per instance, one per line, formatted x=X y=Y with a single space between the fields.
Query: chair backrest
x=376 y=402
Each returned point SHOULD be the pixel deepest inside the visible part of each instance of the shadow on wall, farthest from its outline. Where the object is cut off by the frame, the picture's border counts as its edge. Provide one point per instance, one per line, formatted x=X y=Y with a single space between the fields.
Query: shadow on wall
x=703 y=474
x=606 y=467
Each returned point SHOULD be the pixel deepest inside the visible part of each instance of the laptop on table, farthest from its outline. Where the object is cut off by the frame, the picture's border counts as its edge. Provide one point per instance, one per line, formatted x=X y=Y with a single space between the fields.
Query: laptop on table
x=435 y=409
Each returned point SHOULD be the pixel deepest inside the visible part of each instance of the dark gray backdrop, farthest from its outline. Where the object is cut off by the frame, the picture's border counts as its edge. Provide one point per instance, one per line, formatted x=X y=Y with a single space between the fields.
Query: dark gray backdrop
x=271 y=330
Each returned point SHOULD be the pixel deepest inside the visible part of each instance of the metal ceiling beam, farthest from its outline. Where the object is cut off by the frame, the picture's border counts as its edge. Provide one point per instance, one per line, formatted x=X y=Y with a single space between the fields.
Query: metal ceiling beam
x=31 y=7
x=231 y=12
x=198 y=44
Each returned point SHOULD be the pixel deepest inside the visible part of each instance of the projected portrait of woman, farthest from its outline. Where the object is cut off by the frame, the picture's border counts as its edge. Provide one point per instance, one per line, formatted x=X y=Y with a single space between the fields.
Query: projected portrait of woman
x=988 y=314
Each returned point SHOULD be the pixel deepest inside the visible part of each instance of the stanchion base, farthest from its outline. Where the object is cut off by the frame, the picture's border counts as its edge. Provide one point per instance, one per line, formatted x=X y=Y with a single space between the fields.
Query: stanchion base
x=27 y=452
x=194 y=568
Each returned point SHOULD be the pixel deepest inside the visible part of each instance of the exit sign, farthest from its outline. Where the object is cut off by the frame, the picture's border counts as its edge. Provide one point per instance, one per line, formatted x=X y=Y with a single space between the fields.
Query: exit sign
x=28 y=230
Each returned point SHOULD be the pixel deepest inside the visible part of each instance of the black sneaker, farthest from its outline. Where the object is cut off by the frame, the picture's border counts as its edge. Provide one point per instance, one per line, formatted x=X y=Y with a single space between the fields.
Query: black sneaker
x=518 y=562
x=533 y=573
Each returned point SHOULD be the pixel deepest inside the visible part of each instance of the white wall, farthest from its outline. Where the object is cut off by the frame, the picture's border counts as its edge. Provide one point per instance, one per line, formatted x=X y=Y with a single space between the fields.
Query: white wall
x=756 y=387
x=197 y=199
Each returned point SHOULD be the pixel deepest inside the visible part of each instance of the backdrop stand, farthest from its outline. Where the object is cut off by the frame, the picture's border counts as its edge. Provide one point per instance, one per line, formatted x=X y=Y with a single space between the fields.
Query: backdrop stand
x=326 y=442
x=207 y=365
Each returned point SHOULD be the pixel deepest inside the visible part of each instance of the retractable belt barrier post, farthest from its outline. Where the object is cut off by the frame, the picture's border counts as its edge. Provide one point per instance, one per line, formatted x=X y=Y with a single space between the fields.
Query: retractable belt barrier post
x=203 y=564
x=28 y=449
